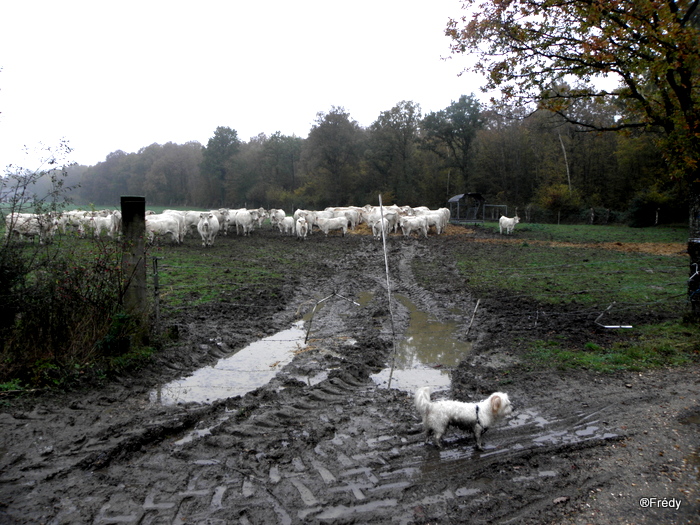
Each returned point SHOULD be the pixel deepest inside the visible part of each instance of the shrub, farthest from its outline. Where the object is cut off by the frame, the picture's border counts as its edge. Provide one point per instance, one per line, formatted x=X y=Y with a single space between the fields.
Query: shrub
x=63 y=314
x=60 y=303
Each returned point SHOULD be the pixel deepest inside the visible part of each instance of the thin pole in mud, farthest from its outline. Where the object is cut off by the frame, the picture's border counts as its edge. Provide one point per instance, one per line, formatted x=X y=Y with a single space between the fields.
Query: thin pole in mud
x=308 y=328
x=609 y=326
x=156 y=293
x=473 y=315
x=388 y=291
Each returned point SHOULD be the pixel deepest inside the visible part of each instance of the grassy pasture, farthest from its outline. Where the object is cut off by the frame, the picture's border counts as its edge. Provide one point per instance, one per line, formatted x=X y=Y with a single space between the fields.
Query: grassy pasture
x=563 y=268
x=581 y=271
x=588 y=265
x=583 y=233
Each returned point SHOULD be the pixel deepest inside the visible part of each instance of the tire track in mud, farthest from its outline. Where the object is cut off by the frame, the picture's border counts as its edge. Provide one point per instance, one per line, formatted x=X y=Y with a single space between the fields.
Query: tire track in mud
x=364 y=461
x=344 y=451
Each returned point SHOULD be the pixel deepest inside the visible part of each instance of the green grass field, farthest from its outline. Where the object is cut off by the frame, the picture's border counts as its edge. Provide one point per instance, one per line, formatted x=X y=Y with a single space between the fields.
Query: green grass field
x=583 y=233
x=586 y=269
x=561 y=267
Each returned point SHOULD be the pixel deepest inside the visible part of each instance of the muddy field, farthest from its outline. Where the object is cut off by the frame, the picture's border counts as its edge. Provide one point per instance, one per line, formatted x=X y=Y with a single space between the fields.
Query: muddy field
x=326 y=442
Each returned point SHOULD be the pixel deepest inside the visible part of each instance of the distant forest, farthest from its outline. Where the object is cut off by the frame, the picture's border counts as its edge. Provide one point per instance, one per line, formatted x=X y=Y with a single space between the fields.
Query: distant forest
x=533 y=162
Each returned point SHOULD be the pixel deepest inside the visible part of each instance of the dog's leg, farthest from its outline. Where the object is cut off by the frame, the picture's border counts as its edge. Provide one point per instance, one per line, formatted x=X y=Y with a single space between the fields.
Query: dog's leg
x=437 y=438
x=477 y=435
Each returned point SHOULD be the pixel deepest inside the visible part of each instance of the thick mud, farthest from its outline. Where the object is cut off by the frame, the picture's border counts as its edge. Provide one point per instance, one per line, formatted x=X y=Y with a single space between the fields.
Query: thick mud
x=325 y=441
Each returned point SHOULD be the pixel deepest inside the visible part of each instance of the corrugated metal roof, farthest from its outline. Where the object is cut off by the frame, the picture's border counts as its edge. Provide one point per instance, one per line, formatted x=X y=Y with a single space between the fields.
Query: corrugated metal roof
x=459 y=197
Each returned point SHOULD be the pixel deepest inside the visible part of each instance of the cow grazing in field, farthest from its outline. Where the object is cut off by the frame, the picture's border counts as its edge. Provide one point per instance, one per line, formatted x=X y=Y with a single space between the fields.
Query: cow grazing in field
x=160 y=225
x=507 y=224
x=302 y=228
x=208 y=227
x=327 y=225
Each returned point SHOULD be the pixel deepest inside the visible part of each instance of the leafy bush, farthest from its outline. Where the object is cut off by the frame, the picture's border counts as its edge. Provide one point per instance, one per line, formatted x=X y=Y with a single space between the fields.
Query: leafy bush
x=60 y=303
x=63 y=313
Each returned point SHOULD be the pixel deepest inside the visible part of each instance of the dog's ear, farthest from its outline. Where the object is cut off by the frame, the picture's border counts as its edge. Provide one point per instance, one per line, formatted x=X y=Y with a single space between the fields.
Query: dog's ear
x=496 y=403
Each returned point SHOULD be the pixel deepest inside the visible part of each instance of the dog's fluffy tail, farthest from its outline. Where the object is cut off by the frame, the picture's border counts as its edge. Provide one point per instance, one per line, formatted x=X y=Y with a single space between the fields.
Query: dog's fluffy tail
x=422 y=401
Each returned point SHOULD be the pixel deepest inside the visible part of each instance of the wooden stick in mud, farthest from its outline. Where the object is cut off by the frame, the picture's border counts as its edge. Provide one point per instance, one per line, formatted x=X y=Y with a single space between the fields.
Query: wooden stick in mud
x=473 y=315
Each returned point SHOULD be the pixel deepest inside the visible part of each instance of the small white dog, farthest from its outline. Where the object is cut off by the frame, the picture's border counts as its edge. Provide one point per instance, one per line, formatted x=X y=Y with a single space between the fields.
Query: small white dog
x=475 y=417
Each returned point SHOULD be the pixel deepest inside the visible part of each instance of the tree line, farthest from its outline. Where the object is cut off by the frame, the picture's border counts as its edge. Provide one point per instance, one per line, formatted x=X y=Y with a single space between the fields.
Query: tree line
x=534 y=160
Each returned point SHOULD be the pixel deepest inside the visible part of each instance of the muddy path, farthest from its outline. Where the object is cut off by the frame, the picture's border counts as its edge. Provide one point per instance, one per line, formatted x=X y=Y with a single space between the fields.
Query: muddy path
x=324 y=442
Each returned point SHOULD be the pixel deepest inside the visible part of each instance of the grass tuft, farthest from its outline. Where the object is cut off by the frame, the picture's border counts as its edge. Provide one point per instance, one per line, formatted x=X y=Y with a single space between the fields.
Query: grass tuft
x=661 y=345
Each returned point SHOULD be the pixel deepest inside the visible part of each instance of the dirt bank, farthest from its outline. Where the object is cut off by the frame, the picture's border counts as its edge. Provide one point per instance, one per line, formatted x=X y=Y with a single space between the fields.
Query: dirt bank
x=322 y=443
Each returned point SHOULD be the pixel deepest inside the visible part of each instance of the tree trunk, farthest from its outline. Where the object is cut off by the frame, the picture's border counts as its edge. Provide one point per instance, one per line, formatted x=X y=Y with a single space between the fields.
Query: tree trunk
x=694 y=251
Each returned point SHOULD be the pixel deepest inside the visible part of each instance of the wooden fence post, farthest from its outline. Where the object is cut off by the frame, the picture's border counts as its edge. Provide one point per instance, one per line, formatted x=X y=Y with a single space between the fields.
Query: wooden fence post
x=134 y=254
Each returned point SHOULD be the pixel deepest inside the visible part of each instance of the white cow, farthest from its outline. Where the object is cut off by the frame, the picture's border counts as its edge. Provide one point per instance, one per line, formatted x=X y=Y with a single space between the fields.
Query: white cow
x=244 y=220
x=179 y=216
x=100 y=224
x=191 y=221
x=410 y=224
x=159 y=224
x=71 y=220
x=436 y=218
x=308 y=216
x=313 y=218
x=259 y=216
x=446 y=216
x=31 y=225
x=326 y=224
x=302 y=228
x=286 y=225
x=350 y=213
x=208 y=227
x=378 y=226
x=117 y=215
x=221 y=215
x=276 y=216
x=507 y=224
x=375 y=214
x=230 y=220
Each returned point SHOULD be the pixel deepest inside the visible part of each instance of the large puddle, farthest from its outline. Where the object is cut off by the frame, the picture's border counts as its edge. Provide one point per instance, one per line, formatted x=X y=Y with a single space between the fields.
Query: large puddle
x=425 y=355
x=248 y=369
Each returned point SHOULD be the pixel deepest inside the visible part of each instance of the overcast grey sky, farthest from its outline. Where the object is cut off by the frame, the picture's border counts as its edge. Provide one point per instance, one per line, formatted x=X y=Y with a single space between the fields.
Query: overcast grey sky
x=109 y=75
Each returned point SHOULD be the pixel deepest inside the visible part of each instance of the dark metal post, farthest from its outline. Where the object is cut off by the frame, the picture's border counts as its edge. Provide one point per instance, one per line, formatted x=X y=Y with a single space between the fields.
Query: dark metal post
x=134 y=253
x=156 y=293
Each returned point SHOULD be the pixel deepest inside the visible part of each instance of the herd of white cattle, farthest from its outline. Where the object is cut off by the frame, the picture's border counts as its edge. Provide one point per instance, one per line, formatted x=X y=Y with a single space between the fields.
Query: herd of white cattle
x=175 y=225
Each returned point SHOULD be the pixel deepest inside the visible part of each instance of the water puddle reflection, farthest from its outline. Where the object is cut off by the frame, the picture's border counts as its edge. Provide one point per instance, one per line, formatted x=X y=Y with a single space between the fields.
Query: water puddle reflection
x=425 y=354
x=424 y=357
x=246 y=370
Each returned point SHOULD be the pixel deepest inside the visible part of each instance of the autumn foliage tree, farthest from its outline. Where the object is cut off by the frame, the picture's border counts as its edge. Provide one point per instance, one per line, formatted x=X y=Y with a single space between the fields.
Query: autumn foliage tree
x=531 y=50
